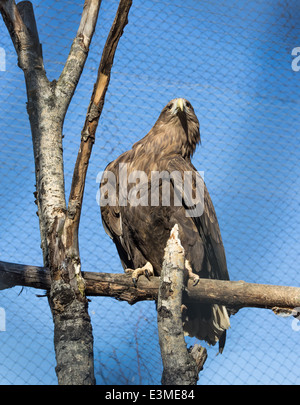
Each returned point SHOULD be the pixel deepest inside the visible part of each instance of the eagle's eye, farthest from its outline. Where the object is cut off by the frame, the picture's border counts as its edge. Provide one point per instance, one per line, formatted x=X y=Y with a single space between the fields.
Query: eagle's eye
x=169 y=106
x=187 y=104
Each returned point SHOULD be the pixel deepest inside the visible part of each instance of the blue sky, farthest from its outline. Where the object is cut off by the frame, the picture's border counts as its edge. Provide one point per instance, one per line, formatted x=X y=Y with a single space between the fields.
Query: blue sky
x=232 y=60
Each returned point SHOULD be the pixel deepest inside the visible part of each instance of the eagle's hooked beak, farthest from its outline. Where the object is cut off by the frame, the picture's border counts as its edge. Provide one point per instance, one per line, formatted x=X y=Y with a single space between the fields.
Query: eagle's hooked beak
x=179 y=106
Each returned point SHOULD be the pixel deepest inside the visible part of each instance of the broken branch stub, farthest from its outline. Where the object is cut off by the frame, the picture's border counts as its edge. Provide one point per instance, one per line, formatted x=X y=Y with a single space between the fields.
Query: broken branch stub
x=179 y=365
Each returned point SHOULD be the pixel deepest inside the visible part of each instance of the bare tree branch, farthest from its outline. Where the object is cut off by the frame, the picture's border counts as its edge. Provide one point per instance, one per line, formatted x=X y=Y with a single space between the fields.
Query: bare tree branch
x=43 y=115
x=20 y=23
x=13 y=274
x=179 y=366
x=91 y=123
x=72 y=70
x=233 y=294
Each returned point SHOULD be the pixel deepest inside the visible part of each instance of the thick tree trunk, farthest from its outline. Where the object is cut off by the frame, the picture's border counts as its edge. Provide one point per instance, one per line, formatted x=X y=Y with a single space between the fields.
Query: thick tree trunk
x=73 y=338
x=47 y=107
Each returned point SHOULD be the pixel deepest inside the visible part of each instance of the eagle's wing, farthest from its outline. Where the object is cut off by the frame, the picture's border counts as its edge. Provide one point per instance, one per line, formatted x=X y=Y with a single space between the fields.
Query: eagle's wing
x=207 y=322
x=110 y=209
x=111 y=213
x=141 y=232
x=203 y=214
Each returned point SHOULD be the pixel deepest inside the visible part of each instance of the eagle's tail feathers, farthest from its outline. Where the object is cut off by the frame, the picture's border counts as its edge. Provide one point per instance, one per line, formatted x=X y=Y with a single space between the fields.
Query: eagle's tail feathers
x=209 y=329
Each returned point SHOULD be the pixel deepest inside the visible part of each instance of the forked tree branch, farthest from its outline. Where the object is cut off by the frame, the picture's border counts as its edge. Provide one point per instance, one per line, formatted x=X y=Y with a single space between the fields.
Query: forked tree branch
x=72 y=70
x=21 y=25
x=47 y=106
x=233 y=294
x=91 y=122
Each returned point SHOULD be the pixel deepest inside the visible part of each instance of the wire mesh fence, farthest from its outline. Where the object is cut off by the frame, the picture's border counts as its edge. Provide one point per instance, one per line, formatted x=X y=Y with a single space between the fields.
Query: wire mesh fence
x=232 y=60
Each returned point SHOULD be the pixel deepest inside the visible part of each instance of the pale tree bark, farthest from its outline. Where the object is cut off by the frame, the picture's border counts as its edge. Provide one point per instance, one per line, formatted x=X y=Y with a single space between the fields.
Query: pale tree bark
x=47 y=106
x=232 y=294
x=180 y=366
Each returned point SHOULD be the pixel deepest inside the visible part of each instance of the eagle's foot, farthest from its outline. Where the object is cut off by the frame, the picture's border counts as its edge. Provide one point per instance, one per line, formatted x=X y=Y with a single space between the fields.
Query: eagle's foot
x=146 y=270
x=194 y=277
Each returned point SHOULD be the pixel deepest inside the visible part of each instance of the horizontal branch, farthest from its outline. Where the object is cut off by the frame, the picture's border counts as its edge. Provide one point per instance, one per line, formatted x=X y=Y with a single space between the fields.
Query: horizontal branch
x=233 y=294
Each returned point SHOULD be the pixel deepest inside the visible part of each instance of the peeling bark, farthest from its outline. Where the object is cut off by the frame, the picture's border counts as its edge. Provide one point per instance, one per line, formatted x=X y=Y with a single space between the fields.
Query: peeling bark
x=73 y=338
x=47 y=106
x=179 y=365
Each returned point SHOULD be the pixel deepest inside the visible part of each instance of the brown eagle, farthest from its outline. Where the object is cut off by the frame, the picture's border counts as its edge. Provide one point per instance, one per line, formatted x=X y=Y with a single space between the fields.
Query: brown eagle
x=152 y=187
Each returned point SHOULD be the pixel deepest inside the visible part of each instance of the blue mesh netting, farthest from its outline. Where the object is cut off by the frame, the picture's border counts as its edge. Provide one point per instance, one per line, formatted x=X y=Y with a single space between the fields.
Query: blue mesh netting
x=232 y=60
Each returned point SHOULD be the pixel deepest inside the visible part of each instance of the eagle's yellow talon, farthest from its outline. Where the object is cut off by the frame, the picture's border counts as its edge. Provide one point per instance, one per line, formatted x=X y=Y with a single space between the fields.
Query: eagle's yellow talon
x=146 y=270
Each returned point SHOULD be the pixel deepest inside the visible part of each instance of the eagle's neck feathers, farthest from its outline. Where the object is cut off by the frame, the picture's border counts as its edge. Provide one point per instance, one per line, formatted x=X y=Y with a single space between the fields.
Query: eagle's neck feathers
x=170 y=138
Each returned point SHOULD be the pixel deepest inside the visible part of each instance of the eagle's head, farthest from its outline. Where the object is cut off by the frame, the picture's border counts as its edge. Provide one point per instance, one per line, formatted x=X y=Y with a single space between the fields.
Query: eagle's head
x=178 y=121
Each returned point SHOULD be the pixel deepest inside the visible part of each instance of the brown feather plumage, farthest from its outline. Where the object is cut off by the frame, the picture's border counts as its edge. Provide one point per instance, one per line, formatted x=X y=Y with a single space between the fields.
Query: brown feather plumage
x=141 y=232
